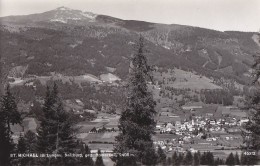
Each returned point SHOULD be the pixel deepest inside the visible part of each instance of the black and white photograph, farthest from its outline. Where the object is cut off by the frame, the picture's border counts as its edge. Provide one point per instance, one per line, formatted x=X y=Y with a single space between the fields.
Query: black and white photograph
x=129 y=82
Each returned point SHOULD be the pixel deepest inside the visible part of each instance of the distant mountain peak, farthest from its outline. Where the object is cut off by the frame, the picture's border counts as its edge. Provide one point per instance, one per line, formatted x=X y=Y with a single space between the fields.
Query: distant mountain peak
x=63 y=14
x=63 y=8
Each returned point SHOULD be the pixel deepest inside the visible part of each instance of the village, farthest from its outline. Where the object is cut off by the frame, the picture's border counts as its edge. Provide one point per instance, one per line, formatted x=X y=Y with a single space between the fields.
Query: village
x=194 y=127
x=197 y=127
x=201 y=128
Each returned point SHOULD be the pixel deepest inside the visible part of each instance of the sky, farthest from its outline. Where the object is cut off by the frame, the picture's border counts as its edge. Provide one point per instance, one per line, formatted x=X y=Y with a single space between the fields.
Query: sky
x=240 y=15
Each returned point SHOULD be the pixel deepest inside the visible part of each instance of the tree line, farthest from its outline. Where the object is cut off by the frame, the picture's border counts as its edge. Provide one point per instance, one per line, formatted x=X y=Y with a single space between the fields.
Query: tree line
x=56 y=134
x=205 y=158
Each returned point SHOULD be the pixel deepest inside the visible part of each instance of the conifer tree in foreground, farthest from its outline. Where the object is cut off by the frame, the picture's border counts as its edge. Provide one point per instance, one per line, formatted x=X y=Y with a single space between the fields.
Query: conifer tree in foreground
x=196 y=159
x=252 y=136
x=87 y=159
x=161 y=155
x=188 y=159
x=31 y=140
x=230 y=159
x=169 y=161
x=207 y=158
x=6 y=143
x=99 y=160
x=180 y=159
x=9 y=109
x=8 y=116
x=247 y=159
x=237 y=160
x=174 y=159
x=22 y=148
x=43 y=138
x=137 y=122
x=56 y=134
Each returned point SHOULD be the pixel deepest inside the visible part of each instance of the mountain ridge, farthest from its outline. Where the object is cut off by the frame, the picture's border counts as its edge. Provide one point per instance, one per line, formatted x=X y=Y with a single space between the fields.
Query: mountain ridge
x=100 y=41
x=64 y=8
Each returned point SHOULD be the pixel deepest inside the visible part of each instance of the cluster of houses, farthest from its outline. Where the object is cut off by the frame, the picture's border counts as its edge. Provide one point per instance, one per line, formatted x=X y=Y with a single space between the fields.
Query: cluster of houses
x=102 y=130
x=104 y=123
x=199 y=125
x=212 y=125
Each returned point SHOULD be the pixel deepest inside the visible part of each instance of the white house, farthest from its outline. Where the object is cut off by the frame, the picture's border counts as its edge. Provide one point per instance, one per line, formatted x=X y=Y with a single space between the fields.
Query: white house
x=212 y=122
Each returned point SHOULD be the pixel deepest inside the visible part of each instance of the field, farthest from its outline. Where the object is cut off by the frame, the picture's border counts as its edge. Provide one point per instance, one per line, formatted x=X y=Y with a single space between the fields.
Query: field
x=68 y=79
x=186 y=79
x=103 y=120
x=161 y=137
x=27 y=124
x=100 y=137
x=85 y=127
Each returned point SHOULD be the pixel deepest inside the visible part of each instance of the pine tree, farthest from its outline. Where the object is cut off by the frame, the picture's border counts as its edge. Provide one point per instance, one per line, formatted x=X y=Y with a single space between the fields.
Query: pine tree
x=188 y=159
x=217 y=161
x=248 y=159
x=6 y=143
x=31 y=140
x=43 y=130
x=169 y=161
x=150 y=156
x=99 y=160
x=196 y=159
x=180 y=159
x=9 y=109
x=207 y=158
x=65 y=135
x=8 y=115
x=243 y=159
x=203 y=159
x=237 y=161
x=87 y=159
x=174 y=159
x=253 y=103
x=22 y=148
x=126 y=161
x=137 y=122
x=252 y=138
x=221 y=162
x=161 y=155
x=210 y=158
x=230 y=159
x=56 y=133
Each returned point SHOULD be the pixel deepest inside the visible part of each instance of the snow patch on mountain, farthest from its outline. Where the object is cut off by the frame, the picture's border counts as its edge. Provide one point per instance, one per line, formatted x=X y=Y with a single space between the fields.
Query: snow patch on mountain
x=59 y=20
x=89 y=15
x=63 y=15
x=63 y=8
